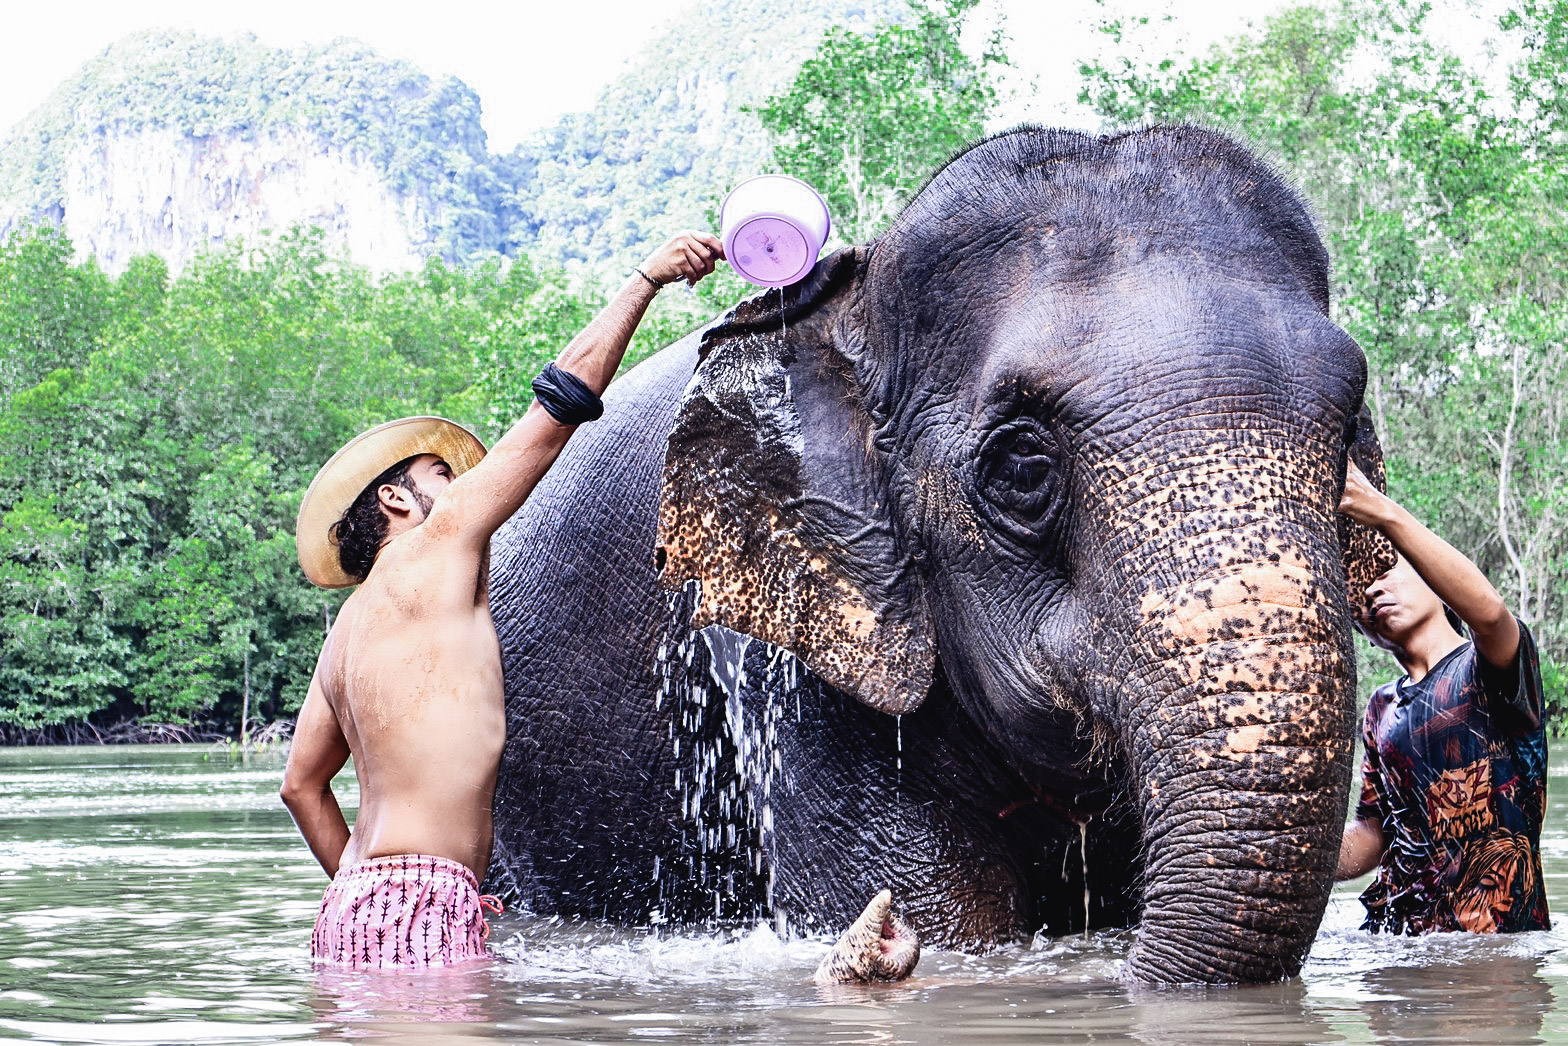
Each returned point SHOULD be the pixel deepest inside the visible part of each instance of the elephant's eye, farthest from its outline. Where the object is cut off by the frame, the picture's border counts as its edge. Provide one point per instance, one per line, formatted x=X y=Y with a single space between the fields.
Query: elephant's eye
x=1020 y=474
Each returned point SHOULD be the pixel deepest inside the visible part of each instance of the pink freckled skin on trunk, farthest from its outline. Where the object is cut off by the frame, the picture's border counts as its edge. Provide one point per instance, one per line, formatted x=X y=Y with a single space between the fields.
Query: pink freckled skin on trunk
x=1244 y=740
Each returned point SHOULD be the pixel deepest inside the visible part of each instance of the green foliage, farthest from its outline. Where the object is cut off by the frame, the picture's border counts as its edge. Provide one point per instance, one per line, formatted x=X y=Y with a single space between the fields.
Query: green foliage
x=60 y=659
x=1538 y=85
x=218 y=606
x=1446 y=214
x=870 y=115
x=148 y=489
x=54 y=311
x=1554 y=684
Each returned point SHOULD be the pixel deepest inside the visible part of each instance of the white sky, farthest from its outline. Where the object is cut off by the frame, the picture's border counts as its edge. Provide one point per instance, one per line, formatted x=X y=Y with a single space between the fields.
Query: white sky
x=532 y=61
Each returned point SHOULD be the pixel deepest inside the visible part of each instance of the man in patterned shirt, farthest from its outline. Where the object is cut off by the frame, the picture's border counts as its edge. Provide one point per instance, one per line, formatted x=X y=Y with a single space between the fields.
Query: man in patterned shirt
x=1454 y=777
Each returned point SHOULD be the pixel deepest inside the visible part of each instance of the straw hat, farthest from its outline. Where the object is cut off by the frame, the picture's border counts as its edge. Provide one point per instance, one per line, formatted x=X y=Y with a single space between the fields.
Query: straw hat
x=351 y=469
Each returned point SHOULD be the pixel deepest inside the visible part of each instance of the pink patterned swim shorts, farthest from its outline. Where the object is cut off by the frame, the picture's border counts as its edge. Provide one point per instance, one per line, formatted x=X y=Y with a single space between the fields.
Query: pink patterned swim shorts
x=409 y=911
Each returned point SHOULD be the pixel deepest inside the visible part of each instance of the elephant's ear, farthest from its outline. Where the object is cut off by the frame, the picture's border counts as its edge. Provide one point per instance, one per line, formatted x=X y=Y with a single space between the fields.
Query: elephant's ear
x=773 y=495
x=1367 y=552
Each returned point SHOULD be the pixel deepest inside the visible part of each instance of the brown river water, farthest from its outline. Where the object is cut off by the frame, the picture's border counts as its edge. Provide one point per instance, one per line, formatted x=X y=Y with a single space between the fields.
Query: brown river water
x=162 y=895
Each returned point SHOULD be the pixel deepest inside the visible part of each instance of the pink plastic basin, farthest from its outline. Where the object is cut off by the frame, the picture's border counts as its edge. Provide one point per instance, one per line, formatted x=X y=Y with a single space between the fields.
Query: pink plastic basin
x=773 y=227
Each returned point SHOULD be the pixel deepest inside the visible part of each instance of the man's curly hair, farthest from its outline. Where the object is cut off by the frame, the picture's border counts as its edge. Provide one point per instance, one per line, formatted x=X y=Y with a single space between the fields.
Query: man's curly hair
x=359 y=534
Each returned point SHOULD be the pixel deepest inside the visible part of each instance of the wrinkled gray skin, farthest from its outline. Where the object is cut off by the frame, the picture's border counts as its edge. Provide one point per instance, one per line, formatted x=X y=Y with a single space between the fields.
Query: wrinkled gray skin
x=1048 y=472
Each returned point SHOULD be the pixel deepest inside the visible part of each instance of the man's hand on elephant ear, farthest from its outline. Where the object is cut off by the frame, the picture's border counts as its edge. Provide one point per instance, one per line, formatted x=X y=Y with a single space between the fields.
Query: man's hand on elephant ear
x=1362 y=501
x=879 y=946
x=1367 y=552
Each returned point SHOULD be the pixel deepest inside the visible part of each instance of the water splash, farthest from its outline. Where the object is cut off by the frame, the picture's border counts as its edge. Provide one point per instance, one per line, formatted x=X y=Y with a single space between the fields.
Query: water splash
x=1083 y=856
x=725 y=696
x=898 y=777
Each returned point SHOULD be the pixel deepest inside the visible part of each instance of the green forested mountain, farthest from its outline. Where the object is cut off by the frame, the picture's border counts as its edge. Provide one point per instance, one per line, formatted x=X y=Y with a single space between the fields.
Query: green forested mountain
x=668 y=139
x=172 y=143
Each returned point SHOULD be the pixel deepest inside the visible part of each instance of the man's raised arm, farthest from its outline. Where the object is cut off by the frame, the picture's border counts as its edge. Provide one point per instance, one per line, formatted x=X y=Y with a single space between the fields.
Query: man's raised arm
x=1448 y=572
x=485 y=496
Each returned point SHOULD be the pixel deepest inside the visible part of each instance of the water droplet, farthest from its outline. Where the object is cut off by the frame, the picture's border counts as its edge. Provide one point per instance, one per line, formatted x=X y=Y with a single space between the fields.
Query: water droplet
x=1083 y=853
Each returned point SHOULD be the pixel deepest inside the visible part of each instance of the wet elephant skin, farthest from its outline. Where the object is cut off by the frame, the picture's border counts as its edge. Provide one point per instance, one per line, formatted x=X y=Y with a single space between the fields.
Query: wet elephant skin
x=1040 y=487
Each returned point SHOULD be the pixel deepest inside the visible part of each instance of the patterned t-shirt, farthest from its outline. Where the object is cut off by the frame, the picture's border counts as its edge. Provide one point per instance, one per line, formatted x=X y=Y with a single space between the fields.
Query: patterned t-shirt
x=1455 y=771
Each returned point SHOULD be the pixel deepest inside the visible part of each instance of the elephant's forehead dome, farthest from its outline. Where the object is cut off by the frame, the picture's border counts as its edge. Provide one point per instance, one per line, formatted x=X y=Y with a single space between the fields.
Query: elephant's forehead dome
x=1067 y=159
x=1069 y=192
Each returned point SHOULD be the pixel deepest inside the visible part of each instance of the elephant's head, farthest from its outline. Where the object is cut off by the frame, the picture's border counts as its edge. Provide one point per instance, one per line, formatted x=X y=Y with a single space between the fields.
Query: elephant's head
x=1075 y=427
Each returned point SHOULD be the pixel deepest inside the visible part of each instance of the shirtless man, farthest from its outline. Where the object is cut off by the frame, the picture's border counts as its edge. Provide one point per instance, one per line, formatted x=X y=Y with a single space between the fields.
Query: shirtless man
x=408 y=681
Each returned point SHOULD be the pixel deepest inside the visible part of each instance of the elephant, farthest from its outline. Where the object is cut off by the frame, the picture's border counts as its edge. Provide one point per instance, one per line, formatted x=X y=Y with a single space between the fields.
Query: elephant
x=878 y=946
x=997 y=561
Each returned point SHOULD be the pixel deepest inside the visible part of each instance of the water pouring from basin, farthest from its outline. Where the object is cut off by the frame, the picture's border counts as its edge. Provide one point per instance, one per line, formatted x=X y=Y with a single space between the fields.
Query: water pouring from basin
x=773 y=227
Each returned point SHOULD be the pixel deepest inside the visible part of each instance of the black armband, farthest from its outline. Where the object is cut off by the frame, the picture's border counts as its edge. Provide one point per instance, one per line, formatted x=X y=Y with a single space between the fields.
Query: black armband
x=565 y=396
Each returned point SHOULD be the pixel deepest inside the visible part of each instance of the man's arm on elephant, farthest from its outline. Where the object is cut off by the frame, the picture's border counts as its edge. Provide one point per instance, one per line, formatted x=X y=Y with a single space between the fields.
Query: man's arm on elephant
x=1447 y=571
x=1360 y=848
x=1362 y=845
x=316 y=754
x=484 y=497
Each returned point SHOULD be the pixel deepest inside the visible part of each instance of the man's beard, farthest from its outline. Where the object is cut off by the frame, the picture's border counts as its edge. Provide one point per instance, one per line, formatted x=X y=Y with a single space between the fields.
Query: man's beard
x=423 y=500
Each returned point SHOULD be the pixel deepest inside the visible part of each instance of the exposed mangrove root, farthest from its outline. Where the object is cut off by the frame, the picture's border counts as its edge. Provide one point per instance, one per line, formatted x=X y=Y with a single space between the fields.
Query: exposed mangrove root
x=125 y=732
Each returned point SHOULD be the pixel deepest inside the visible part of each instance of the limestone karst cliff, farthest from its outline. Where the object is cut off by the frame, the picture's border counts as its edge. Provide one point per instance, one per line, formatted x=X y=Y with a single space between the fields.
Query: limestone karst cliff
x=159 y=191
x=173 y=143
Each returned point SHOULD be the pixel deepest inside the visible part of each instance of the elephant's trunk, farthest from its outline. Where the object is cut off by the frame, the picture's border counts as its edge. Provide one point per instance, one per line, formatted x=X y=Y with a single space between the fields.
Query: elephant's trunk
x=1239 y=722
